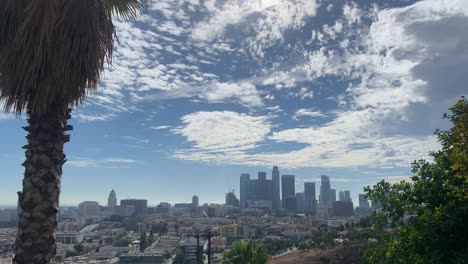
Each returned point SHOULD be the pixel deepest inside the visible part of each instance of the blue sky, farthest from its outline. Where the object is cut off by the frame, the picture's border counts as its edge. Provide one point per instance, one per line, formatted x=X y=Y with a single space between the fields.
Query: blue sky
x=202 y=91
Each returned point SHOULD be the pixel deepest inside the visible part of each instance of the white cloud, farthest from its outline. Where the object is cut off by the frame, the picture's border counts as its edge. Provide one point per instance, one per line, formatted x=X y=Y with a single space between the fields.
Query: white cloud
x=109 y=163
x=272 y=18
x=222 y=131
x=244 y=92
x=81 y=117
x=409 y=63
x=307 y=113
x=160 y=127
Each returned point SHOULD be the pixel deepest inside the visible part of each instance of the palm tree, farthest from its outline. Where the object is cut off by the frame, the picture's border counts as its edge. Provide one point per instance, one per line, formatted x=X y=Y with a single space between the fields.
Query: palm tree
x=52 y=53
x=245 y=253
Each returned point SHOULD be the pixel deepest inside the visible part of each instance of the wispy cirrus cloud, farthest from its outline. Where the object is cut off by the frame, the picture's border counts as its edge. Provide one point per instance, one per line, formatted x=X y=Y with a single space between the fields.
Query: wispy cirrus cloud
x=108 y=163
x=160 y=127
x=307 y=113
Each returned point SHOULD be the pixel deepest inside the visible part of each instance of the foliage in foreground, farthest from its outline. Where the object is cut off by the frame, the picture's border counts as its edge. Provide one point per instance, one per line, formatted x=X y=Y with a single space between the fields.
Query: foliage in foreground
x=428 y=216
x=245 y=253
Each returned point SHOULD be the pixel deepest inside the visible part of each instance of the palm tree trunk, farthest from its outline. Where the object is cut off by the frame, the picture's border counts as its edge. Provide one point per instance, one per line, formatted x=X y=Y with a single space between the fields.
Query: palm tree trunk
x=39 y=200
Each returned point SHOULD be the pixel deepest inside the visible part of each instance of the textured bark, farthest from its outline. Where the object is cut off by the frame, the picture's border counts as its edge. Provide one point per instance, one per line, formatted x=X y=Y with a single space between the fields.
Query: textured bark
x=39 y=200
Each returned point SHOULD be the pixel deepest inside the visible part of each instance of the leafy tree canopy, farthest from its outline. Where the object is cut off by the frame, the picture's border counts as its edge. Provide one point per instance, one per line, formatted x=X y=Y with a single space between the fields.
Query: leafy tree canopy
x=245 y=253
x=427 y=216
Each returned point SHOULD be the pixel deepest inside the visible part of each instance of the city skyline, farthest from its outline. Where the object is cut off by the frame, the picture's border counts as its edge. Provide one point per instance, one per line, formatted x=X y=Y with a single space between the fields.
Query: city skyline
x=349 y=89
x=256 y=192
x=103 y=198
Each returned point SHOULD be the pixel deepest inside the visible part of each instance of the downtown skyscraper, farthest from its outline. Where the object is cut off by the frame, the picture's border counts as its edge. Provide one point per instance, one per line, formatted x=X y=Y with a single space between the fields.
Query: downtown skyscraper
x=112 y=200
x=310 y=200
x=288 y=193
x=325 y=191
x=245 y=187
x=275 y=176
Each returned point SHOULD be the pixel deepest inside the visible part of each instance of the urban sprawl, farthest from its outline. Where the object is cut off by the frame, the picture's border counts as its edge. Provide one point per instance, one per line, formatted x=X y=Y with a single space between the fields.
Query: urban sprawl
x=267 y=210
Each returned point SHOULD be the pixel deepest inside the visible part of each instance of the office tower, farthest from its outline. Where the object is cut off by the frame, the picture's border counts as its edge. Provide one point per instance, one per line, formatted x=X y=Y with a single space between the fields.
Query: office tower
x=163 y=208
x=244 y=189
x=363 y=202
x=332 y=196
x=231 y=199
x=288 y=193
x=325 y=191
x=300 y=202
x=262 y=188
x=309 y=198
x=276 y=189
x=343 y=208
x=89 y=209
x=341 y=196
x=347 y=196
x=141 y=205
x=112 y=200
x=195 y=201
x=253 y=191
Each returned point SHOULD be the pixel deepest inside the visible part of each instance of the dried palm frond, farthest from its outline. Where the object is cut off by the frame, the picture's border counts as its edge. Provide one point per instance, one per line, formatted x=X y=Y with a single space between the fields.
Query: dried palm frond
x=54 y=51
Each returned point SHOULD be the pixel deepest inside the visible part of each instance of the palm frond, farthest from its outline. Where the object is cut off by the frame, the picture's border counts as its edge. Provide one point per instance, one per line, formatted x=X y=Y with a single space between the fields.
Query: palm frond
x=127 y=9
x=52 y=51
x=55 y=51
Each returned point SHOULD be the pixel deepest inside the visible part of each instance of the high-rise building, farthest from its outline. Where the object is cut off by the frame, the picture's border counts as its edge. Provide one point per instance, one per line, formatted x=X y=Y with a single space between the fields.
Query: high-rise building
x=244 y=189
x=276 y=189
x=255 y=192
x=262 y=187
x=332 y=195
x=112 y=200
x=300 y=202
x=341 y=196
x=347 y=196
x=195 y=201
x=141 y=205
x=310 y=201
x=343 y=208
x=363 y=202
x=163 y=208
x=325 y=191
x=288 y=193
x=89 y=209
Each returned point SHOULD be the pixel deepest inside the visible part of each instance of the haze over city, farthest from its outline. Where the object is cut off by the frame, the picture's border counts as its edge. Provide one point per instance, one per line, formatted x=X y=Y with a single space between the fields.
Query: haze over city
x=200 y=92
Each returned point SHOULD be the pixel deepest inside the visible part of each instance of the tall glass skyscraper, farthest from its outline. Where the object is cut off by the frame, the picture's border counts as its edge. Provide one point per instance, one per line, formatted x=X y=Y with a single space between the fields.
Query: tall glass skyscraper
x=347 y=196
x=262 y=188
x=275 y=176
x=332 y=196
x=341 y=196
x=309 y=198
x=244 y=189
x=112 y=200
x=325 y=191
x=288 y=194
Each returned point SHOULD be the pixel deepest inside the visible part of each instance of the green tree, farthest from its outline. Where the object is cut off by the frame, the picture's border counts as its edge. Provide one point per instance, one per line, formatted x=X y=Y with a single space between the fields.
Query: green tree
x=325 y=259
x=124 y=242
x=52 y=54
x=78 y=248
x=245 y=253
x=428 y=216
x=151 y=238
x=143 y=241
x=179 y=257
